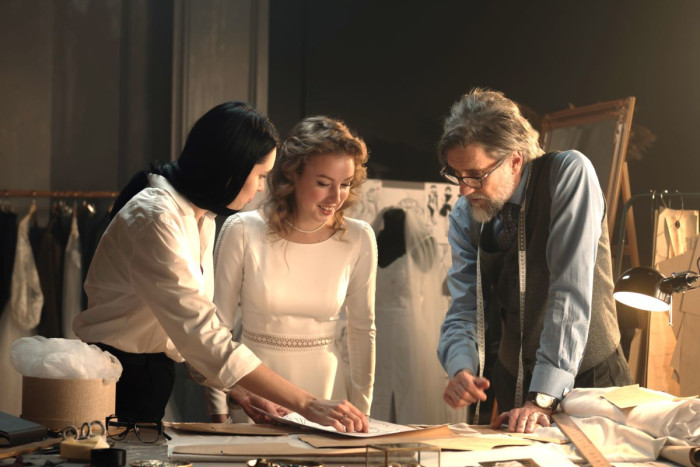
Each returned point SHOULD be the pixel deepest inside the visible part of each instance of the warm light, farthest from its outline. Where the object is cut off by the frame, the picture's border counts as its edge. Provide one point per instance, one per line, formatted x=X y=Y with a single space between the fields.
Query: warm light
x=641 y=301
x=643 y=288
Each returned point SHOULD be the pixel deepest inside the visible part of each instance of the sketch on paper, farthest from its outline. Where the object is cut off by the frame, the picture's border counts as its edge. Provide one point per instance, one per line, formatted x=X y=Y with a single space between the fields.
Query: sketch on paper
x=429 y=201
x=366 y=207
x=376 y=427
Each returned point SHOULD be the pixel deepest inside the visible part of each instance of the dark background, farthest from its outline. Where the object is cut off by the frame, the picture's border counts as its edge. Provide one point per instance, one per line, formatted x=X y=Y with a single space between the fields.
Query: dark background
x=86 y=86
x=392 y=69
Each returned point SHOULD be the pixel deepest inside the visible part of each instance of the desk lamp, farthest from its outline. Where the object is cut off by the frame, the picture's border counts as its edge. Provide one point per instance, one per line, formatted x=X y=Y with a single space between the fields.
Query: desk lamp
x=647 y=289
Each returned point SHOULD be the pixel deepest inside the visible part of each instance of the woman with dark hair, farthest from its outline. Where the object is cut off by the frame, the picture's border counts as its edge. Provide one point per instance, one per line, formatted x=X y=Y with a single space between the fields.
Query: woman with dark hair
x=150 y=284
x=299 y=267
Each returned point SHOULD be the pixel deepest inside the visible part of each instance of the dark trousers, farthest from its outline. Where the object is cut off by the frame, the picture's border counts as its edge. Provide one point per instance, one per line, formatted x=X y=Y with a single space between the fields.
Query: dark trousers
x=145 y=385
x=612 y=371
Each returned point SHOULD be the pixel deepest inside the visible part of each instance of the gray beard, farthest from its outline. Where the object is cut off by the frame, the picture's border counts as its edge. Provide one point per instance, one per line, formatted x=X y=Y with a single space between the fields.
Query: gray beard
x=483 y=215
x=495 y=204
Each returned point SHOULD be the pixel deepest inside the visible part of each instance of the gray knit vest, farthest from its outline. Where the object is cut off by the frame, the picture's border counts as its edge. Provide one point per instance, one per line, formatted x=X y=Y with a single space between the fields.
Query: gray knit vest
x=500 y=283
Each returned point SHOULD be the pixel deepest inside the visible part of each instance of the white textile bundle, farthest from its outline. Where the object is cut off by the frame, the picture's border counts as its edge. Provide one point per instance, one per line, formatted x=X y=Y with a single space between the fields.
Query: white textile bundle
x=55 y=358
x=677 y=419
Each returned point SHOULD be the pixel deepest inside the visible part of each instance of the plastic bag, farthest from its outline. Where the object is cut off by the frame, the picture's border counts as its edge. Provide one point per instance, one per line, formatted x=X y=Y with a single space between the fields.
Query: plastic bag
x=40 y=357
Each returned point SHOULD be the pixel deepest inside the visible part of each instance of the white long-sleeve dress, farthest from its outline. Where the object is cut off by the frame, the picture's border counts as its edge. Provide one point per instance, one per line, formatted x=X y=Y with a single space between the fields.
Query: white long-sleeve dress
x=293 y=297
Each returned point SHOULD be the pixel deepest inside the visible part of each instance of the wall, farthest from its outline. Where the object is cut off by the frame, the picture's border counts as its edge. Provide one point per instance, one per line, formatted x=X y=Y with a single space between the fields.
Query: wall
x=392 y=69
x=92 y=91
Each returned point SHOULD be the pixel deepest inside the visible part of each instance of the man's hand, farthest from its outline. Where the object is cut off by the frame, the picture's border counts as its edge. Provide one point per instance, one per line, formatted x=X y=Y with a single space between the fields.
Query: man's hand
x=525 y=419
x=248 y=400
x=464 y=389
x=341 y=415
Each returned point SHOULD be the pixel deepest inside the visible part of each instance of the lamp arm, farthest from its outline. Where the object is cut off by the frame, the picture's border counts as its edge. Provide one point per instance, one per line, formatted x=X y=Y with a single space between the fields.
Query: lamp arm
x=680 y=282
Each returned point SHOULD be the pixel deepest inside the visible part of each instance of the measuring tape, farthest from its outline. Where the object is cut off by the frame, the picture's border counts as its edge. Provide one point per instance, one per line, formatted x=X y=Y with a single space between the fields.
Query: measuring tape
x=585 y=447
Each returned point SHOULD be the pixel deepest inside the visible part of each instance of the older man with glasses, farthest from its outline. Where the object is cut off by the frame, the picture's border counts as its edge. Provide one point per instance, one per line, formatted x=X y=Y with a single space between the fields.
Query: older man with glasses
x=531 y=281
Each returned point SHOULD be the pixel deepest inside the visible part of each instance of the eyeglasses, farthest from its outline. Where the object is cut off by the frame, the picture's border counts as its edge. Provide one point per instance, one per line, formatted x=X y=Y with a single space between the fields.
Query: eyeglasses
x=146 y=432
x=473 y=182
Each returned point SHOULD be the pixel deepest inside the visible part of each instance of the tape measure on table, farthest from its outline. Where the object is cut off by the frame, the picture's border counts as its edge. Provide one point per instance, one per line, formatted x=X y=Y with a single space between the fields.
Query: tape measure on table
x=584 y=445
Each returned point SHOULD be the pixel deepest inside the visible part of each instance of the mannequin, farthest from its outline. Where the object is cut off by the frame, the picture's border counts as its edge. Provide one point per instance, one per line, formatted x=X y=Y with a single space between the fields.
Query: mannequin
x=409 y=311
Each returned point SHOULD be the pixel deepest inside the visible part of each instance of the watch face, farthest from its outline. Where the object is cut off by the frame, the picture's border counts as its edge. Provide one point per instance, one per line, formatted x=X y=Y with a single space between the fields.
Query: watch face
x=543 y=400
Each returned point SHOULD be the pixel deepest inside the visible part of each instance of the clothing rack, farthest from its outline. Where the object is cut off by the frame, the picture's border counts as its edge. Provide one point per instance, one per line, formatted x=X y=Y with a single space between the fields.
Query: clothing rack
x=653 y=196
x=57 y=194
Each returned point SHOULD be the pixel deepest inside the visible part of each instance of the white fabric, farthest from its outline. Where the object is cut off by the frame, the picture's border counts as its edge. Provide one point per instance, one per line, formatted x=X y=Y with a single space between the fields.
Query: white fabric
x=298 y=291
x=676 y=419
x=26 y=298
x=618 y=443
x=72 y=279
x=21 y=315
x=150 y=287
x=674 y=230
x=410 y=308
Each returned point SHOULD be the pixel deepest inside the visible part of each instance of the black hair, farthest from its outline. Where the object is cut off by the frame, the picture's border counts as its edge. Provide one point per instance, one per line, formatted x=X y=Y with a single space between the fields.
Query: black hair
x=221 y=150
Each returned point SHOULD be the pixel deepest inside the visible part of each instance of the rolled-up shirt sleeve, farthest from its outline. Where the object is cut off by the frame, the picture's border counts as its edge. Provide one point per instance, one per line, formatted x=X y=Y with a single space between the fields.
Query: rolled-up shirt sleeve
x=576 y=216
x=166 y=274
x=457 y=348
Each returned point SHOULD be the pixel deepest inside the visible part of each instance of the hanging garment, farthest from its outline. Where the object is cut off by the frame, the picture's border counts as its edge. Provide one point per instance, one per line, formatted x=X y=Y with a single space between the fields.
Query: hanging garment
x=8 y=242
x=21 y=316
x=410 y=308
x=72 y=280
x=50 y=267
x=91 y=226
x=674 y=230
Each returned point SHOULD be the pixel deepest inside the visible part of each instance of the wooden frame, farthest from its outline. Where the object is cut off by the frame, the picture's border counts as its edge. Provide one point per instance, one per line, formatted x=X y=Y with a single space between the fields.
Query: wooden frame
x=601 y=132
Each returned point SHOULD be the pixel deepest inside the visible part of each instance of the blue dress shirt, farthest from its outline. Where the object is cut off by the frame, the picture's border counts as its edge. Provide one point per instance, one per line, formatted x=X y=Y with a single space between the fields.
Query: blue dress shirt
x=577 y=212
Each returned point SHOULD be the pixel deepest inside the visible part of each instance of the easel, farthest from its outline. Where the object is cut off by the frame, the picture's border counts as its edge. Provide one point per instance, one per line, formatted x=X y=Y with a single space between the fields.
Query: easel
x=601 y=132
x=603 y=120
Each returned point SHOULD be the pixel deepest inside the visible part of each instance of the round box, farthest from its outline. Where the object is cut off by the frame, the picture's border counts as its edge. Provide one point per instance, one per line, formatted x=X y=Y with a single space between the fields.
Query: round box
x=57 y=403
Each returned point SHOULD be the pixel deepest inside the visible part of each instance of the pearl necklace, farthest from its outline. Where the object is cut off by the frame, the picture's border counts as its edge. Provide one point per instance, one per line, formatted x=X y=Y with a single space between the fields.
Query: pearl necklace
x=305 y=231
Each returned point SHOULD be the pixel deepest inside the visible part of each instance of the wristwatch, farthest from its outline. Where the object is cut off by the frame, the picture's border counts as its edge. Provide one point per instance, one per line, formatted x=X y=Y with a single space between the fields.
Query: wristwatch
x=543 y=401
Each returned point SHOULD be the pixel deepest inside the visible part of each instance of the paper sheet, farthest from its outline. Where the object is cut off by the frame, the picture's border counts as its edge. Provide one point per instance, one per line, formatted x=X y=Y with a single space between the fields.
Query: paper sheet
x=376 y=427
x=632 y=396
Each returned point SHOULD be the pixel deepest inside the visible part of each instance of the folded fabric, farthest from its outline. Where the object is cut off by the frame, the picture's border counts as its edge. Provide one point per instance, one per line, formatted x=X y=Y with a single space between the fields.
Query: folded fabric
x=677 y=419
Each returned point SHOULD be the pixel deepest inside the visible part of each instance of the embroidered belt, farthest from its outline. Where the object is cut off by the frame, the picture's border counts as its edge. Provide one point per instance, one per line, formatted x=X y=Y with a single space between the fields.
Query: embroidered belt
x=288 y=343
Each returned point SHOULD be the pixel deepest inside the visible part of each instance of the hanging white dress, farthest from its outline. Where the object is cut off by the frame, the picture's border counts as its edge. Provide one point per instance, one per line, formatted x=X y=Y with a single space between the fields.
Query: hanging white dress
x=292 y=296
x=21 y=316
x=410 y=309
x=72 y=280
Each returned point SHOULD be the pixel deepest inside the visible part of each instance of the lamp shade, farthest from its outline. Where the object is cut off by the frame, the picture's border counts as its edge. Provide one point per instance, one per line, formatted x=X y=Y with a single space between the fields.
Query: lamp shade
x=640 y=287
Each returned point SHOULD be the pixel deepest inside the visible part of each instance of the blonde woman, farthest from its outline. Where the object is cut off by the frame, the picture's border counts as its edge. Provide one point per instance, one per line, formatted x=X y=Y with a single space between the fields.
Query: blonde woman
x=150 y=284
x=299 y=266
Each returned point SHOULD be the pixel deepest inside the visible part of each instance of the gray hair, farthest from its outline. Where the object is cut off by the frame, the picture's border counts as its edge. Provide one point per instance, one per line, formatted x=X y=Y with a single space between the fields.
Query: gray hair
x=490 y=119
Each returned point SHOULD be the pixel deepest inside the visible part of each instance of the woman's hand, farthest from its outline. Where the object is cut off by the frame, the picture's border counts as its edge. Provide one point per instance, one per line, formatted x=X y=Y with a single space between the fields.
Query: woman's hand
x=341 y=415
x=248 y=401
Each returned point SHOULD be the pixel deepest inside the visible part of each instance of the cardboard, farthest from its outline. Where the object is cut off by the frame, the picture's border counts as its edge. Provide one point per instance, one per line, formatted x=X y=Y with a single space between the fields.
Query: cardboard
x=235 y=428
x=686 y=325
x=271 y=450
x=322 y=440
x=57 y=403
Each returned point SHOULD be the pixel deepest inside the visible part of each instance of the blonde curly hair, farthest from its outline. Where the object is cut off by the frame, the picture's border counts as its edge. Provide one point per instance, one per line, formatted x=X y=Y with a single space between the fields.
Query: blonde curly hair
x=311 y=137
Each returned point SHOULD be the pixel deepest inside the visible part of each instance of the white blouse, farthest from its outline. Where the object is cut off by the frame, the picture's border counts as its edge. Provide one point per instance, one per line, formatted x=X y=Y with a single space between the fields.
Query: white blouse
x=150 y=287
